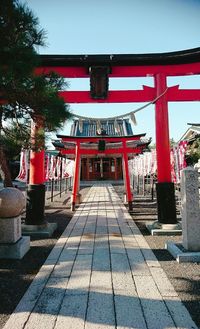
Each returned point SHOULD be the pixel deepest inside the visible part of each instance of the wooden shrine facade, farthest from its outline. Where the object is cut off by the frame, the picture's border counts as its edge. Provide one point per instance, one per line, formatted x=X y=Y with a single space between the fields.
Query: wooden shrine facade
x=101 y=168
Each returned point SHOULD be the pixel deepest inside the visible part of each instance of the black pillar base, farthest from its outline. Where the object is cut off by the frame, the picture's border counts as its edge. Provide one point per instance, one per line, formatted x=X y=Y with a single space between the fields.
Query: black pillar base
x=130 y=205
x=35 y=205
x=73 y=206
x=166 y=203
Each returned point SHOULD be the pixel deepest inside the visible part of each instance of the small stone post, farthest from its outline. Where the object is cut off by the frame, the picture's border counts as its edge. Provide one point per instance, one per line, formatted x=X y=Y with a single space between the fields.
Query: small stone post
x=190 y=209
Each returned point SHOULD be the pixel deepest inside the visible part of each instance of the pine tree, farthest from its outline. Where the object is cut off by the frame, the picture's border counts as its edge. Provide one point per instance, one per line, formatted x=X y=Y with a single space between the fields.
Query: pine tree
x=23 y=95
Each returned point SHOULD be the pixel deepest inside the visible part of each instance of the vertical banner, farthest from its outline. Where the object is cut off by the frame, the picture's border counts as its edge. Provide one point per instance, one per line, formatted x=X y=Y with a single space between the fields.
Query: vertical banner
x=23 y=171
x=46 y=167
x=52 y=167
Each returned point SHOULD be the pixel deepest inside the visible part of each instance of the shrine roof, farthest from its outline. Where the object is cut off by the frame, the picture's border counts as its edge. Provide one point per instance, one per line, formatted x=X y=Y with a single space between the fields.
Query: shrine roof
x=175 y=57
x=89 y=128
x=98 y=137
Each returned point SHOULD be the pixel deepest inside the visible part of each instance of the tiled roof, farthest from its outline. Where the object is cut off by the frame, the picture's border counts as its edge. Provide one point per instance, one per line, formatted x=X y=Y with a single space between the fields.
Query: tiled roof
x=191 y=132
x=89 y=128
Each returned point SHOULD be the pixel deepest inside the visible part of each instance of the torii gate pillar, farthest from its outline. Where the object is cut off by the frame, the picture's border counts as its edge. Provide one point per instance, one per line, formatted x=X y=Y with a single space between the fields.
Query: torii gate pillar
x=76 y=176
x=127 y=179
x=164 y=188
x=36 y=188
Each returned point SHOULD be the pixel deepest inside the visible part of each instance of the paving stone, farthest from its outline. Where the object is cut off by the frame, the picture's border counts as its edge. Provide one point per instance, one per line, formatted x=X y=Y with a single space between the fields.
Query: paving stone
x=80 y=276
x=101 y=282
x=100 y=312
x=64 y=265
x=56 y=251
x=155 y=311
x=47 y=308
x=101 y=242
x=101 y=260
x=179 y=313
x=137 y=263
x=129 y=313
x=164 y=285
x=146 y=251
x=73 y=311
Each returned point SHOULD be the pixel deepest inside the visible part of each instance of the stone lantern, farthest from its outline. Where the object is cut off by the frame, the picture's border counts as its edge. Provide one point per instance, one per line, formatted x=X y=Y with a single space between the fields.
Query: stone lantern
x=12 y=244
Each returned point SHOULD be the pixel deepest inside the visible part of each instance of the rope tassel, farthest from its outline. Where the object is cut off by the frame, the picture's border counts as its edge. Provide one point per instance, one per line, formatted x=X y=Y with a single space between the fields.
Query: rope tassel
x=133 y=118
x=80 y=125
x=98 y=125
x=116 y=126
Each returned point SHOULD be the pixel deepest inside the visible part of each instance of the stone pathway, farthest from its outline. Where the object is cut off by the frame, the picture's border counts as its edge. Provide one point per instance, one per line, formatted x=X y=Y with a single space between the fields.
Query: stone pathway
x=101 y=274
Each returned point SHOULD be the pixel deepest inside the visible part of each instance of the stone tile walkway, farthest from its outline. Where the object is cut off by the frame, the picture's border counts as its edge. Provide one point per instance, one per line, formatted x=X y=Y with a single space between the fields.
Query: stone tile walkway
x=101 y=274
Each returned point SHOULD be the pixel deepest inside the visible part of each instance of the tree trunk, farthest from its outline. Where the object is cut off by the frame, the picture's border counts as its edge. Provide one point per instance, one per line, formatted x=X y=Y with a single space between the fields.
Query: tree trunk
x=4 y=169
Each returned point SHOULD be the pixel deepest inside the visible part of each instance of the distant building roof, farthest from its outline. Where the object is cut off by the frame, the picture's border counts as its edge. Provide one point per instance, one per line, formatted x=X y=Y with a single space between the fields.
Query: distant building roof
x=191 y=133
x=120 y=127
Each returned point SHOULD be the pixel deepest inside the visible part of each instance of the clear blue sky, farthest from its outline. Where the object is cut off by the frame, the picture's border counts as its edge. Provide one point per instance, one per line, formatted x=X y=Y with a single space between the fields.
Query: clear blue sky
x=124 y=27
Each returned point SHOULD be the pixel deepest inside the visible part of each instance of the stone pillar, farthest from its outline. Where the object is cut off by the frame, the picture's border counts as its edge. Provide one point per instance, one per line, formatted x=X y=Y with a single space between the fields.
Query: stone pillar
x=190 y=209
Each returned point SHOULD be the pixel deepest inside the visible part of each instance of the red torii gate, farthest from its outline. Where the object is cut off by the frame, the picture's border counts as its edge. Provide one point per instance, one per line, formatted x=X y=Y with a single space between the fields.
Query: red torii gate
x=159 y=66
x=113 y=146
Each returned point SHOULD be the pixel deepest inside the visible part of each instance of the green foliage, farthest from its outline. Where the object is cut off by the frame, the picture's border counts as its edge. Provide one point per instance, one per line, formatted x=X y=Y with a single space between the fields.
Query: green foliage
x=23 y=95
x=19 y=34
x=26 y=94
x=38 y=96
x=172 y=142
x=14 y=138
x=153 y=146
x=193 y=152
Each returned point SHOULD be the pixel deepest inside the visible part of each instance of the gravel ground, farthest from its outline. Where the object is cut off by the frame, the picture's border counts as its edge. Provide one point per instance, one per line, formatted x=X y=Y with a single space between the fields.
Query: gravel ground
x=16 y=275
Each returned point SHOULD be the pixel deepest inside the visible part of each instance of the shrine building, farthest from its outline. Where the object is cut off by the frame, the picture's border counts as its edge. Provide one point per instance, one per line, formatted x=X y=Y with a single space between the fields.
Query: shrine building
x=102 y=159
x=101 y=167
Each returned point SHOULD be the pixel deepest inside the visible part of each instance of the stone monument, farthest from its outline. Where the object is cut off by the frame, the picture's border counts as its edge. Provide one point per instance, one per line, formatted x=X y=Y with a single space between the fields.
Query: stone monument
x=190 y=209
x=189 y=250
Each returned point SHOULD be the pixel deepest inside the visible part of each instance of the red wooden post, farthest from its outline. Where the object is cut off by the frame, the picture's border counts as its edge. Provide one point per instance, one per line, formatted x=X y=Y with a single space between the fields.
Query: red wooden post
x=116 y=171
x=127 y=178
x=36 y=187
x=76 y=176
x=36 y=175
x=162 y=131
x=165 y=187
x=87 y=169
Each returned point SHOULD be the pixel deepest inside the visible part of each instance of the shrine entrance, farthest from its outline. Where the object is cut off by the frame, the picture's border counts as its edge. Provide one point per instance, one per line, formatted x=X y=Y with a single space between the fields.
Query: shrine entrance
x=101 y=169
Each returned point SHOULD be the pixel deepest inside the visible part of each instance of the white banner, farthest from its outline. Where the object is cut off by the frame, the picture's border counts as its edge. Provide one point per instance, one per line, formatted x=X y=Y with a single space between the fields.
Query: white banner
x=23 y=171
